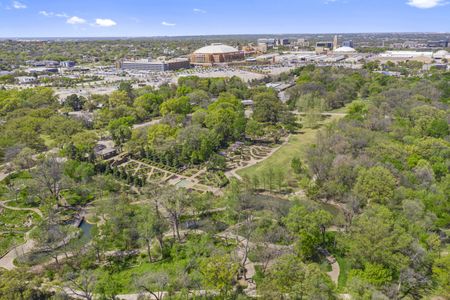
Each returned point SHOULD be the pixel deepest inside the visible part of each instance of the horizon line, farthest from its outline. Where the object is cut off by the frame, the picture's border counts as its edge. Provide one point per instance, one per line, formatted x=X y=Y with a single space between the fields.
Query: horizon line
x=219 y=35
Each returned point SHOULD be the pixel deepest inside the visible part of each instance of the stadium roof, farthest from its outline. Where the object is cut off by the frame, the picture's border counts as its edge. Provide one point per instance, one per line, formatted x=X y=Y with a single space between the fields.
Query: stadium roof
x=216 y=48
x=345 y=49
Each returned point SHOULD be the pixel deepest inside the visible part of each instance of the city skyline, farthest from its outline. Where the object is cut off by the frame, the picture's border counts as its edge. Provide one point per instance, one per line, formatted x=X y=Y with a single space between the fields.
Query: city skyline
x=139 y=18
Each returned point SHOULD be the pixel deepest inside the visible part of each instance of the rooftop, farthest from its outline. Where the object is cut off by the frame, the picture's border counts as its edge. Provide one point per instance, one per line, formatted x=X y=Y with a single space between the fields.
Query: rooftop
x=345 y=49
x=216 y=48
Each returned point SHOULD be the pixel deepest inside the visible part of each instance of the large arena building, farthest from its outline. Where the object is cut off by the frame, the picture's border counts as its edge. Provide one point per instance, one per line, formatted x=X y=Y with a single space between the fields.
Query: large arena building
x=216 y=54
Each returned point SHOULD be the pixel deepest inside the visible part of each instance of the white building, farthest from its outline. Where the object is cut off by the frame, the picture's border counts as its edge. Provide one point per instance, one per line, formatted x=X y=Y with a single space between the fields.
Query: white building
x=406 y=54
x=26 y=79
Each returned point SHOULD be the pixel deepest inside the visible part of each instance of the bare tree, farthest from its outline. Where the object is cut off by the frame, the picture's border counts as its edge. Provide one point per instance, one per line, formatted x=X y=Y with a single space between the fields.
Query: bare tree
x=49 y=173
x=153 y=283
x=82 y=285
x=25 y=159
x=157 y=224
x=175 y=202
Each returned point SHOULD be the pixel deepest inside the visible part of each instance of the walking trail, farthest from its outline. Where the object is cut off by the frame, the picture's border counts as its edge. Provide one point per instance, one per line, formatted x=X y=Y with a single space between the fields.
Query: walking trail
x=7 y=261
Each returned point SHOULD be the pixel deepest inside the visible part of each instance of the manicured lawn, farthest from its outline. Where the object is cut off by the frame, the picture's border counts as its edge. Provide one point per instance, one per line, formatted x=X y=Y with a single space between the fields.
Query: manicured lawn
x=281 y=159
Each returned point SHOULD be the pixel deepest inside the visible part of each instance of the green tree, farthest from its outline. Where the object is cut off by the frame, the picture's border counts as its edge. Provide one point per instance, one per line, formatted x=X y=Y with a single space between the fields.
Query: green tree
x=290 y=278
x=179 y=105
x=219 y=273
x=118 y=98
x=254 y=129
x=296 y=165
x=357 y=110
x=160 y=132
x=147 y=105
x=20 y=284
x=374 y=274
x=310 y=227
x=120 y=129
x=75 y=102
x=84 y=143
x=375 y=185
x=267 y=107
x=441 y=274
x=376 y=237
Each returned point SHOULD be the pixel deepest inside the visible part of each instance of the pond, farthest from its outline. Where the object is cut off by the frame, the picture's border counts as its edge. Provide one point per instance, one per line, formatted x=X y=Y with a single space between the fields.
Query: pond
x=85 y=231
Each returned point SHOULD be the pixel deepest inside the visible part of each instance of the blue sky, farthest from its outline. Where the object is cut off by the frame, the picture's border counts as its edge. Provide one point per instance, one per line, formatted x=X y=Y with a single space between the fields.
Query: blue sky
x=84 y=18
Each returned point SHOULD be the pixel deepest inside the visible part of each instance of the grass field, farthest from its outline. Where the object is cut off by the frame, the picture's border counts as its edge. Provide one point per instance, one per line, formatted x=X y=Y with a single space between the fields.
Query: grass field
x=281 y=159
x=343 y=276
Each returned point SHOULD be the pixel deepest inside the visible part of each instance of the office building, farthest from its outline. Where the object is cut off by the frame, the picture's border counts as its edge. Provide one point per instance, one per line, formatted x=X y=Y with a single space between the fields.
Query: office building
x=155 y=65
x=269 y=42
x=347 y=44
x=282 y=42
x=67 y=64
x=302 y=43
x=438 y=44
x=325 y=45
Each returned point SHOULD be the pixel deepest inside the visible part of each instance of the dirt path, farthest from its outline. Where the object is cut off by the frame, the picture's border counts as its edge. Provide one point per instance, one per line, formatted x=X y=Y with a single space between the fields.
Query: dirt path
x=335 y=269
x=336 y=114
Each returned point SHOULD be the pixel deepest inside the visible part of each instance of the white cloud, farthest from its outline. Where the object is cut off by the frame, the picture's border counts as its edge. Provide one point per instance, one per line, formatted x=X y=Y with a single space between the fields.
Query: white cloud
x=52 y=14
x=18 y=5
x=426 y=3
x=46 y=13
x=105 y=22
x=164 y=23
x=61 y=15
x=199 y=11
x=75 y=20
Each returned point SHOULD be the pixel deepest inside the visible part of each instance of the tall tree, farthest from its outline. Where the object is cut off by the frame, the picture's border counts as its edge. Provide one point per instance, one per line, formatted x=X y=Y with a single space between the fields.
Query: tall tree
x=290 y=278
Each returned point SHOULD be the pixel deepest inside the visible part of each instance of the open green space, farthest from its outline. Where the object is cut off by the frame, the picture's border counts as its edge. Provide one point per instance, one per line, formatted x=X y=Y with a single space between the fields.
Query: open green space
x=124 y=279
x=281 y=160
x=343 y=275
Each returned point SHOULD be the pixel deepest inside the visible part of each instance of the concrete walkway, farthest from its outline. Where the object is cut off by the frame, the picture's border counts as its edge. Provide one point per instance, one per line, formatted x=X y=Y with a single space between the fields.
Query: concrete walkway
x=335 y=269
x=32 y=209
x=7 y=261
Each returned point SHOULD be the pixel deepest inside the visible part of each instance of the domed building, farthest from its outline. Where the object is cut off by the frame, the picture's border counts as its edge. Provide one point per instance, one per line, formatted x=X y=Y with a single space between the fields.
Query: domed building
x=216 y=53
x=345 y=50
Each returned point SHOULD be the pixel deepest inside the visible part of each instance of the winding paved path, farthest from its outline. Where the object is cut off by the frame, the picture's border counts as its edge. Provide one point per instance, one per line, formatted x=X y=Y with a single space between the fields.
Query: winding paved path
x=7 y=261
x=32 y=209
